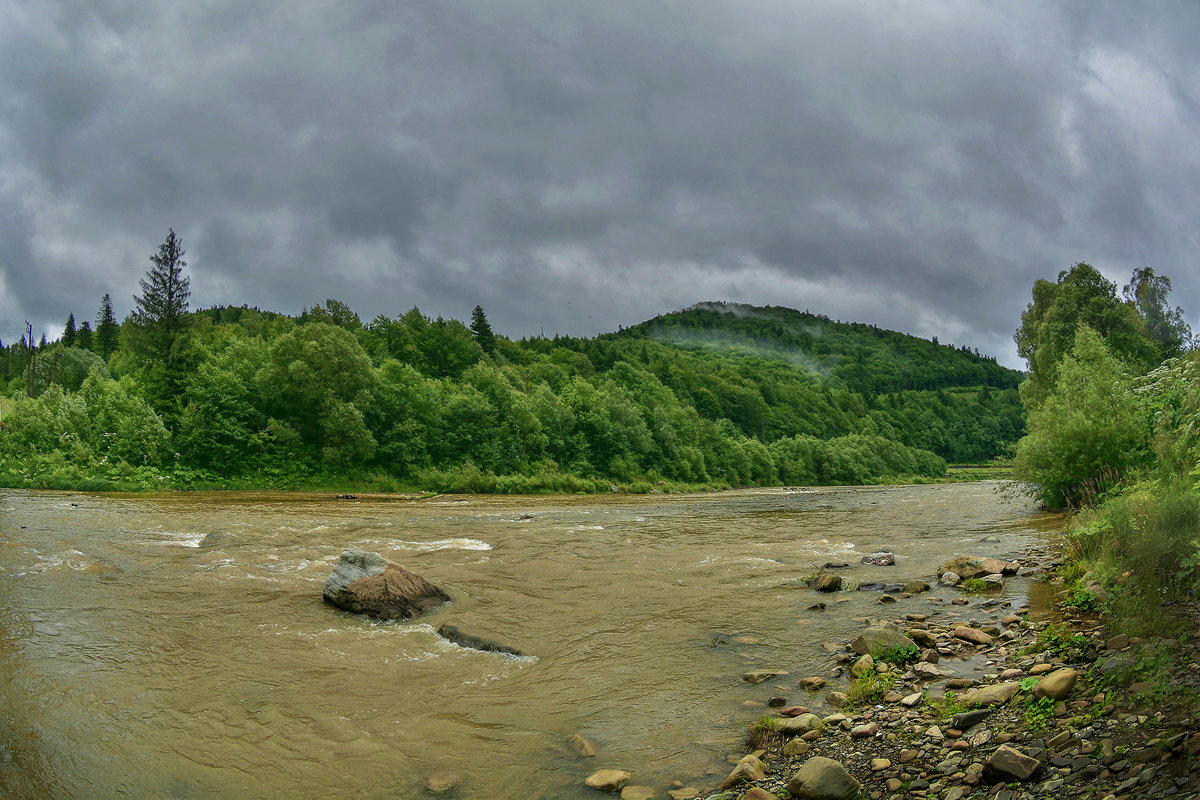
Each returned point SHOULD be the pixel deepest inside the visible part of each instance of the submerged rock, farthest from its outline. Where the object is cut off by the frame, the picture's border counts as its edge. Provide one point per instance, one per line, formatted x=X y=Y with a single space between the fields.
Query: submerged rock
x=877 y=640
x=366 y=583
x=827 y=582
x=880 y=559
x=453 y=634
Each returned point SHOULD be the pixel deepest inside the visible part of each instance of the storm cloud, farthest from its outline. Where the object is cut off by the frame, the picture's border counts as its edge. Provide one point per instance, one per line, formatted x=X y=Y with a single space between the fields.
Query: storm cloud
x=574 y=167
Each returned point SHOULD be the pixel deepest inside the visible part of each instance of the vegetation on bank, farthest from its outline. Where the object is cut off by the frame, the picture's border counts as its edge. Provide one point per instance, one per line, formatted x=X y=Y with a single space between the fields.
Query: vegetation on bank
x=714 y=397
x=1113 y=400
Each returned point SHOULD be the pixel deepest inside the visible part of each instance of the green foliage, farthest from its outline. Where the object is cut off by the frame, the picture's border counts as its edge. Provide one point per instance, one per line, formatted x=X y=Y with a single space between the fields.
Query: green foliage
x=948 y=706
x=867 y=689
x=1038 y=713
x=1089 y=433
x=899 y=655
x=1060 y=641
x=159 y=334
x=974 y=586
x=764 y=731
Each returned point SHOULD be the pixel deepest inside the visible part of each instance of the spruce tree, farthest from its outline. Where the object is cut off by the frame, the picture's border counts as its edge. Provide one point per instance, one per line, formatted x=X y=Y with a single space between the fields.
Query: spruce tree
x=68 y=337
x=160 y=314
x=106 y=328
x=83 y=337
x=482 y=331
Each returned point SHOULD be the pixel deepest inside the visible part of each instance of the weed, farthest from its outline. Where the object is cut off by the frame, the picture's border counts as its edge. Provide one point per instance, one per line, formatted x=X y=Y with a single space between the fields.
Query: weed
x=948 y=706
x=866 y=689
x=1038 y=713
x=1059 y=640
x=973 y=586
x=761 y=733
x=899 y=655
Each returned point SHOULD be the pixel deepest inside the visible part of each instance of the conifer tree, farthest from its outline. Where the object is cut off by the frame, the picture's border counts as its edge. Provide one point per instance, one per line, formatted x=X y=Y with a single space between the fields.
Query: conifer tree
x=482 y=331
x=106 y=328
x=83 y=337
x=68 y=337
x=161 y=316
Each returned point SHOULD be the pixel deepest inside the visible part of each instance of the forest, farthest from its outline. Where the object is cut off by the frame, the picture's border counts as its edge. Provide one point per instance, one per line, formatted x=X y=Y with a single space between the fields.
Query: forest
x=719 y=395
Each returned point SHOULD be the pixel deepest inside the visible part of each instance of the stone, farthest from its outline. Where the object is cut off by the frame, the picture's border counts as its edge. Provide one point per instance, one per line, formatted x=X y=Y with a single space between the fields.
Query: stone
x=973 y=635
x=1008 y=762
x=1057 y=684
x=803 y=723
x=969 y=719
x=954 y=684
x=930 y=672
x=1118 y=642
x=758 y=793
x=793 y=711
x=994 y=695
x=876 y=640
x=608 y=780
x=749 y=769
x=911 y=700
x=949 y=579
x=683 y=793
x=916 y=587
x=631 y=792
x=863 y=666
x=827 y=582
x=864 y=731
x=880 y=559
x=470 y=641
x=813 y=683
x=836 y=699
x=992 y=582
x=760 y=675
x=880 y=764
x=995 y=566
x=822 y=778
x=965 y=567
x=443 y=781
x=776 y=702
x=885 y=599
x=796 y=747
x=583 y=745
x=367 y=583
x=922 y=637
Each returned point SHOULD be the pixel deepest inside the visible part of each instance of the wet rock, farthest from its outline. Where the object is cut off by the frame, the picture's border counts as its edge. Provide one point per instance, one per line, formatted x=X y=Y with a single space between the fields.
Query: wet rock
x=992 y=582
x=793 y=711
x=827 y=582
x=472 y=642
x=836 y=699
x=831 y=565
x=813 y=683
x=583 y=745
x=631 y=792
x=760 y=675
x=796 y=747
x=878 y=639
x=758 y=793
x=949 y=579
x=776 y=702
x=994 y=695
x=973 y=635
x=1008 y=762
x=442 y=782
x=969 y=719
x=608 y=780
x=916 y=587
x=683 y=793
x=864 y=665
x=880 y=559
x=366 y=583
x=1056 y=685
x=822 y=778
x=748 y=769
x=864 y=731
x=800 y=724
x=964 y=566
x=922 y=637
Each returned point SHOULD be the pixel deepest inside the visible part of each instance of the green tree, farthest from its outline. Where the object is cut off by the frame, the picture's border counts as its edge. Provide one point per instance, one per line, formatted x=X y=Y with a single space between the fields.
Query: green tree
x=106 y=328
x=161 y=323
x=1168 y=329
x=481 y=329
x=83 y=336
x=69 y=336
x=1090 y=432
x=1081 y=296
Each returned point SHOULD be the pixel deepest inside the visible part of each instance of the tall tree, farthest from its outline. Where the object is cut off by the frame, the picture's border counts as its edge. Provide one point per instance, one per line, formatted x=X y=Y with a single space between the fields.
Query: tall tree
x=83 y=337
x=1165 y=325
x=481 y=329
x=162 y=323
x=106 y=328
x=68 y=337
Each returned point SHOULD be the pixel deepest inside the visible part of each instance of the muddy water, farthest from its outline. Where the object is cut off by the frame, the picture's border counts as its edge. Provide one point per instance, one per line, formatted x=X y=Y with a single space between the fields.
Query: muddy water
x=177 y=645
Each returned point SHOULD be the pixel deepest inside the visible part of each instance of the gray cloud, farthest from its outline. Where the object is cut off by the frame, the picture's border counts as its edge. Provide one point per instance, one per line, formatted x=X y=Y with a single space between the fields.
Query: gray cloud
x=575 y=167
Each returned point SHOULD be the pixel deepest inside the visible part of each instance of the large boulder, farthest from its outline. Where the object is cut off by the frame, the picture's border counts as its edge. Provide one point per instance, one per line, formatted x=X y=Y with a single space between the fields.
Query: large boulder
x=826 y=582
x=965 y=567
x=1057 y=685
x=366 y=583
x=823 y=778
x=880 y=639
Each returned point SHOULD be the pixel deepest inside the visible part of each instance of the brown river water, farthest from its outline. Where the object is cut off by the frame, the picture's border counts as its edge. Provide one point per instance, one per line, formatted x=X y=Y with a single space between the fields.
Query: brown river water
x=177 y=646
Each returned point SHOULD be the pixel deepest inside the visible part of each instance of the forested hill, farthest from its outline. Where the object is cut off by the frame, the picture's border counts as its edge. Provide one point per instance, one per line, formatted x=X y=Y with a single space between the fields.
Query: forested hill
x=853 y=355
x=716 y=396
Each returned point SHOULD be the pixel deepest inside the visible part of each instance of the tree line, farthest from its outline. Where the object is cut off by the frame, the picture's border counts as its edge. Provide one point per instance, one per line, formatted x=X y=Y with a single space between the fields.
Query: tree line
x=242 y=397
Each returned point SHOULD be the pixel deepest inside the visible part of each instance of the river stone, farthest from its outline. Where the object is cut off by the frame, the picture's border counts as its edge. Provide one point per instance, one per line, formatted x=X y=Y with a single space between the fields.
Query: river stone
x=876 y=640
x=880 y=559
x=823 y=778
x=994 y=695
x=864 y=665
x=965 y=567
x=827 y=582
x=996 y=566
x=760 y=675
x=973 y=635
x=608 y=780
x=916 y=587
x=453 y=634
x=750 y=768
x=922 y=637
x=442 y=782
x=812 y=683
x=949 y=579
x=631 y=792
x=583 y=745
x=1008 y=762
x=758 y=793
x=1057 y=685
x=799 y=724
x=366 y=583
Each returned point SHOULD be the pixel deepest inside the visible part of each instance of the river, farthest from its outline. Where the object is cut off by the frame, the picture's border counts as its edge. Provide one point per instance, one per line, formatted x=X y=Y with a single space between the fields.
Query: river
x=177 y=645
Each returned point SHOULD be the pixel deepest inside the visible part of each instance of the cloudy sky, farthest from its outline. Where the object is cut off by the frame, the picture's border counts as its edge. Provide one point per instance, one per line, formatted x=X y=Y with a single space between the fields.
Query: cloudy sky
x=575 y=165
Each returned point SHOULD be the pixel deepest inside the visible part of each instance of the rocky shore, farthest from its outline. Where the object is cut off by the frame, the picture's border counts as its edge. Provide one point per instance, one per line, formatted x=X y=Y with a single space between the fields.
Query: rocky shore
x=974 y=699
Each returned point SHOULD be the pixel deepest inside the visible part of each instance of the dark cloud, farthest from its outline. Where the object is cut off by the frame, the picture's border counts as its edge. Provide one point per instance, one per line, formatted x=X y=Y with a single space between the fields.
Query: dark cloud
x=575 y=167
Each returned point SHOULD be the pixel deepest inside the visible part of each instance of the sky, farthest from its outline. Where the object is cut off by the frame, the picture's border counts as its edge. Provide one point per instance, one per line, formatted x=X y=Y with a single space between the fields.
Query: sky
x=578 y=166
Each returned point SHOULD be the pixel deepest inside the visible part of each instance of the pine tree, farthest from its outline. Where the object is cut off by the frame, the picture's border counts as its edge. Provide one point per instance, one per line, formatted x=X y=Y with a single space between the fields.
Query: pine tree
x=83 y=337
x=68 y=337
x=482 y=331
x=160 y=314
x=106 y=328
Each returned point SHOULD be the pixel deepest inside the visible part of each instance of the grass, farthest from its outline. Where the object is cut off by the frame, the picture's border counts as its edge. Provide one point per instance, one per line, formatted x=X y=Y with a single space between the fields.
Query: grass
x=764 y=730
x=867 y=689
x=899 y=656
x=1060 y=641
x=974 y=586
x=948 y=706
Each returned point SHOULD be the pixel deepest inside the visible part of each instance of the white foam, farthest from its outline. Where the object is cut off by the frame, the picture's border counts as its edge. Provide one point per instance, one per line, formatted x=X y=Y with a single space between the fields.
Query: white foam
x=441 y=544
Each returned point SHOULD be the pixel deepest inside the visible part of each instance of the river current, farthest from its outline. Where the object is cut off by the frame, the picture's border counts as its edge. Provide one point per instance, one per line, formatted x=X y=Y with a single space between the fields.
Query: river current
x=177 y=646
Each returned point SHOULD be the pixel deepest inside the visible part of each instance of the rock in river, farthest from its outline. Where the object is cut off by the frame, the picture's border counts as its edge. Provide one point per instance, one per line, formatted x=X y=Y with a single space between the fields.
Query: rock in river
x=366 y=583
x=453 y=634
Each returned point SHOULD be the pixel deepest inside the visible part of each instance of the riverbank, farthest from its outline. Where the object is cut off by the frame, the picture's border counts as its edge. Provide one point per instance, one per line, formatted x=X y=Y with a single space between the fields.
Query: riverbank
x=999 y=704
